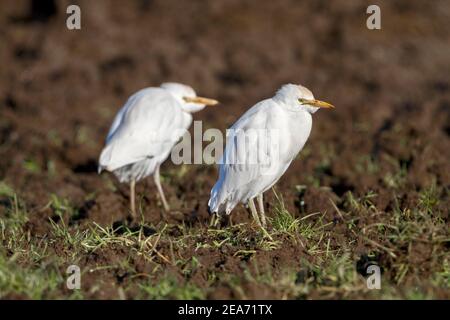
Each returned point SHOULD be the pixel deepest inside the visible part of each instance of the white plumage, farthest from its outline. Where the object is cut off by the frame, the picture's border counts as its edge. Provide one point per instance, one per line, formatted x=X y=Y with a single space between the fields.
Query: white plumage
x=275 y=129
x=145 y=130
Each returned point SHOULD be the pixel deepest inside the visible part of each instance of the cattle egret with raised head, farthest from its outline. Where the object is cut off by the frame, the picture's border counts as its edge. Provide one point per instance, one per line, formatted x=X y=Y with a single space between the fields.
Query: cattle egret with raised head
x=144 y=132
x=276 y=130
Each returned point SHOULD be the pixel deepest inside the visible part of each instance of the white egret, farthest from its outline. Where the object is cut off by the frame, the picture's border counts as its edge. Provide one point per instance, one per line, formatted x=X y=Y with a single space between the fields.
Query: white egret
x=285 y=121
x=144 y=132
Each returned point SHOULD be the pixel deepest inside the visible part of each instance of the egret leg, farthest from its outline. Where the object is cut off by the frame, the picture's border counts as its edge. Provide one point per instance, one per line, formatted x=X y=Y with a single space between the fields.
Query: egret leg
x=160 y=190
x=212 y=222
x=261 y=209
x=133 y=197
x=252 y=207
x=215 y=220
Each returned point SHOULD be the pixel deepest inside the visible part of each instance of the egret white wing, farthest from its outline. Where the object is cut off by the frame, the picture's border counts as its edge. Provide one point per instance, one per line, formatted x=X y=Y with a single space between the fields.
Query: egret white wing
x=119 y=116
x=148 y=126
x=243 y=172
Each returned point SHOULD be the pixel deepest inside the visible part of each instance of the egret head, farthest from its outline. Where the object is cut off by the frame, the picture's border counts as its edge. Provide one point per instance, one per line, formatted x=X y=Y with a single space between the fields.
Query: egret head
x=187 y=97
x=298 y=97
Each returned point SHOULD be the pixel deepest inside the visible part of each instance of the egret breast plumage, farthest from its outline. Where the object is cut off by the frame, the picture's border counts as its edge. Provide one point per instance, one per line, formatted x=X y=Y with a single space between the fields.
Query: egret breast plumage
x=281 y=126
x=145 y=130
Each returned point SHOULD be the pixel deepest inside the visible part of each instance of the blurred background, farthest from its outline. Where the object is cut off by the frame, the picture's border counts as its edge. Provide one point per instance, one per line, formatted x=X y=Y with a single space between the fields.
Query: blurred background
x=388 y=136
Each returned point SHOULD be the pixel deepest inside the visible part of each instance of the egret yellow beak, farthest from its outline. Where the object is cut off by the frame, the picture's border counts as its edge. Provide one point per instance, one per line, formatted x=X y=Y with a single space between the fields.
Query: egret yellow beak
x=316 y=103
x=201 y=100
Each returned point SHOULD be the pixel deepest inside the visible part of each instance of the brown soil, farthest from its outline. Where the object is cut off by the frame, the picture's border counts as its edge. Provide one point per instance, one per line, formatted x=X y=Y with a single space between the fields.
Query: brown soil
x=60 y=89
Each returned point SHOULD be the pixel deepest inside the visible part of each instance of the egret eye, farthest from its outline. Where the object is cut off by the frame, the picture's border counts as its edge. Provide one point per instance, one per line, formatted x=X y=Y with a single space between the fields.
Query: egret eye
x=303 y=101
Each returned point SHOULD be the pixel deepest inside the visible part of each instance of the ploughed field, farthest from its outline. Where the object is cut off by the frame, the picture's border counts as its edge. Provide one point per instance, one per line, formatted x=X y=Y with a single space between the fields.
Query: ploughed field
x=370 y=186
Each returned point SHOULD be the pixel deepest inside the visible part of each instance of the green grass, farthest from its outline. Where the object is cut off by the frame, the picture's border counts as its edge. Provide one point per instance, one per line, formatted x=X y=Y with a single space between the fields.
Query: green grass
x=168 y=263
x=35 y=282
x=25 y=266
x=169 y=288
